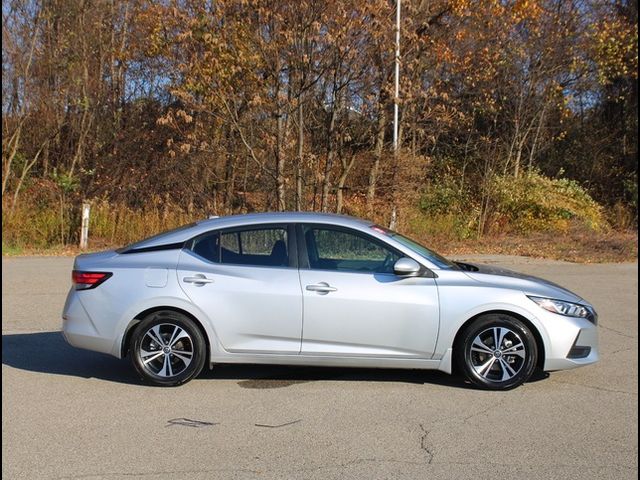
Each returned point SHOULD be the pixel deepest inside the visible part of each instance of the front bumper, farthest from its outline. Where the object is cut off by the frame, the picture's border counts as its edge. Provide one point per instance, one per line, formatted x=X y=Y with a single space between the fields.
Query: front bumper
x=570 y=343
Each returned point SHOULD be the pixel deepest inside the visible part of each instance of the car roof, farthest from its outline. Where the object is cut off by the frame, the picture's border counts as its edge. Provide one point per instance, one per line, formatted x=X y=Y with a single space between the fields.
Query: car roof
x=284 y=217
x=186 y=232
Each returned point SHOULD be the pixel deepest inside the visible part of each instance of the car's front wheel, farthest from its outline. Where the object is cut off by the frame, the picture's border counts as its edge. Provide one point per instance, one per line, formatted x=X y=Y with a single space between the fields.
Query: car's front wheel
x=168 y=349
x=497 y=352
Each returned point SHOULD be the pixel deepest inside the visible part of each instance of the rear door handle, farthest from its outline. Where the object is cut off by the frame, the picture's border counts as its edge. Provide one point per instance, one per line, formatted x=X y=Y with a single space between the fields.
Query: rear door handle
x=322 y=287
x=198 y=279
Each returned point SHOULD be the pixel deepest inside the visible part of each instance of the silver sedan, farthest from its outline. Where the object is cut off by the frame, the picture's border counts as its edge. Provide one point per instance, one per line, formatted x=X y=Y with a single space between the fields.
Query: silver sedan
x=322 y=290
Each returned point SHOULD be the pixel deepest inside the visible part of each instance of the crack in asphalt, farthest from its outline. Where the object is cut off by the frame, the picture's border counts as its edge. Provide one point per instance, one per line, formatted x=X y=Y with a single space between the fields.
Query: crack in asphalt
x=425 y=446
x=277 y=426
x=188 y=422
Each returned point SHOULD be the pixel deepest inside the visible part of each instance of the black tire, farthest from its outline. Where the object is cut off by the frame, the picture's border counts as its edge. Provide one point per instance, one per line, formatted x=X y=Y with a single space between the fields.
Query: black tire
x=502 y=368
x=179 y=358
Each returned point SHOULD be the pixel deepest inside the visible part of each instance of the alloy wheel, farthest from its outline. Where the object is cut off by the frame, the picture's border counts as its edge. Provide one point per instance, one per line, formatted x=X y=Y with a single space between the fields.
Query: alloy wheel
x=497 y=354
x=166 y=350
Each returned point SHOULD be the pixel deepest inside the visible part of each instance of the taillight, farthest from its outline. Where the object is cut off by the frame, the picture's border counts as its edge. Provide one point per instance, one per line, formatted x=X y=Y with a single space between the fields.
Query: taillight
x=87 y=280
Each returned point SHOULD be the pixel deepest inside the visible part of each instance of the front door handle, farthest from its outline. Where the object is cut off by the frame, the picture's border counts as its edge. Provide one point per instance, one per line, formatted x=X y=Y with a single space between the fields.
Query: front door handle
x=198 y=279
x=322 y=288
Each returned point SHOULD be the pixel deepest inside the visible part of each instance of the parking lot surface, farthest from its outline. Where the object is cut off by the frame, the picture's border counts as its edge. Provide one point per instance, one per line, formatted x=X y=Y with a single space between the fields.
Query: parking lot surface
x=74 y=414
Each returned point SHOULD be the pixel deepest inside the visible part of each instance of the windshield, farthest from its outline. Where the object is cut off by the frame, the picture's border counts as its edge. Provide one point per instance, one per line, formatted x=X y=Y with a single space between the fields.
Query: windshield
x=421 y=250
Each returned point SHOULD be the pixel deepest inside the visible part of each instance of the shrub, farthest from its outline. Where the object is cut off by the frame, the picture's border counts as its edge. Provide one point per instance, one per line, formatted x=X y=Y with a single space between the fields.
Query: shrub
x=445 y=197
x=531 y=203
x=446 y=210
x=538 y=203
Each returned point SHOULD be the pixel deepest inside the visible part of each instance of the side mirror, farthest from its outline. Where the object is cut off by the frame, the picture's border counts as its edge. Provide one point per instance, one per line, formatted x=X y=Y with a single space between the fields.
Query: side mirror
x=406 y=267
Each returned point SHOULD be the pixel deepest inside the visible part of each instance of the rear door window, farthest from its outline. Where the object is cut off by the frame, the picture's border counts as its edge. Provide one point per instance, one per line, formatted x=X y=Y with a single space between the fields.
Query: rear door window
x=262 y=247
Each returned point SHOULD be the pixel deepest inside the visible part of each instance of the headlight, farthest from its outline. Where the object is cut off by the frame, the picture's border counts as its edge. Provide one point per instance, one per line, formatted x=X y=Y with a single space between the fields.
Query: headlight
x=562 y=308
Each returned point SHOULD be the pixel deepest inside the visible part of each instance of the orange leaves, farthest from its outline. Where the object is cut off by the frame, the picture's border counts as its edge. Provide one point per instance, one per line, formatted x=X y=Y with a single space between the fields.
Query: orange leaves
x=527 y=10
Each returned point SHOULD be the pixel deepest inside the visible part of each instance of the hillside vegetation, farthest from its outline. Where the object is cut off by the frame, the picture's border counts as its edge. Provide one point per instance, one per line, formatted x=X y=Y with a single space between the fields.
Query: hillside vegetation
x=517 y=118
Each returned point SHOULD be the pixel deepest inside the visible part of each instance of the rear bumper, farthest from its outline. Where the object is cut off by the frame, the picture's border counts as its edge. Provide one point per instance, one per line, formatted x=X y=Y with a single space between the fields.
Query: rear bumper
x=78 y=329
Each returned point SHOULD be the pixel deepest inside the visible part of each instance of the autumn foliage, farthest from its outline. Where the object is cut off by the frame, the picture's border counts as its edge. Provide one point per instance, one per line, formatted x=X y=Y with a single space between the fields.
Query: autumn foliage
x=514 y=115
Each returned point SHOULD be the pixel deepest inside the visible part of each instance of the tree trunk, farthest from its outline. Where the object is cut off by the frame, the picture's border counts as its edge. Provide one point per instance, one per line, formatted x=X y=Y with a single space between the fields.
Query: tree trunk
x=15 y=137
x=87 y=115
x=25 y=170
x=346 y=168
x=280 y=164
x=377 y=155
x=532 y=153
x=326 y=180
x=300 y=163
x=229 y=180
x=516 y=163
x=14 y=141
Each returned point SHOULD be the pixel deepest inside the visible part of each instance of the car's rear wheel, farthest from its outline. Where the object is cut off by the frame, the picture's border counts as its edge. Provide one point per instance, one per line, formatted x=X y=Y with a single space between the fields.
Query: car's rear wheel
x=168 y=349
x=497 y=352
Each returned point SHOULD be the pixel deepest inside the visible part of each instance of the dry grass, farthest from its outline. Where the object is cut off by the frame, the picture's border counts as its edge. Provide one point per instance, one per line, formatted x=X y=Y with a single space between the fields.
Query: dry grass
x=34 y=229
x=580 y=247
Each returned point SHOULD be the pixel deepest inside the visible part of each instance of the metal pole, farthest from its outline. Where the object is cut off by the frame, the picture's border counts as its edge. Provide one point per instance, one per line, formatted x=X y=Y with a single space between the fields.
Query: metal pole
x=396 y=96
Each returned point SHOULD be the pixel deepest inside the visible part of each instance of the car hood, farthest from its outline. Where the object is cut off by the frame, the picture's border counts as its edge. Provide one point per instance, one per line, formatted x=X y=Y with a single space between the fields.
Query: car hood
x=529 y=284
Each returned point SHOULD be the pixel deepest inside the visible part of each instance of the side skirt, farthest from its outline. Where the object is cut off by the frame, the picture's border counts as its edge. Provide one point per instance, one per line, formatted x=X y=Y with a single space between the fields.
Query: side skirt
x=334 y=361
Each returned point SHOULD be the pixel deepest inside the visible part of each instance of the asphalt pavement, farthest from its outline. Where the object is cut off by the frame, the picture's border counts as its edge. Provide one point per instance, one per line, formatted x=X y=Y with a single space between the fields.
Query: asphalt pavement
x=74 y=414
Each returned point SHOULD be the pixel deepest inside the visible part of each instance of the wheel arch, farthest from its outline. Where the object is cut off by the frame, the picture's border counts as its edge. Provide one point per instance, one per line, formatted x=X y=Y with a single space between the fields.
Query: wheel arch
x=534 y=330
x=126 y=338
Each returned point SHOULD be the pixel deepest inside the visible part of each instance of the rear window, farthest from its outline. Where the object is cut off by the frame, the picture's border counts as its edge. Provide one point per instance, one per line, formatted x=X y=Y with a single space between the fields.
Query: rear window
x=139 y=245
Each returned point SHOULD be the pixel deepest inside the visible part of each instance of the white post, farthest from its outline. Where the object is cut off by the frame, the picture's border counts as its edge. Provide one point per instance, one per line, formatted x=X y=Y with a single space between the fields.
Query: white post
x=84 y=230
x=396 y=98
